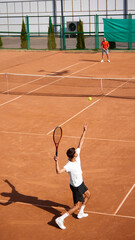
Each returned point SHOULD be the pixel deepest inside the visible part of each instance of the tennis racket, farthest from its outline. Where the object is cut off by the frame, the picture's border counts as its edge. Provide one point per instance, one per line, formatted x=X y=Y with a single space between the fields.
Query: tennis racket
x=57 y=135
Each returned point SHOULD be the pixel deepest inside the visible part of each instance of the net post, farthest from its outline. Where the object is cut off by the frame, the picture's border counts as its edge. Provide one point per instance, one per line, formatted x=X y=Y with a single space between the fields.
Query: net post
x=7 y=83
x=102 y=90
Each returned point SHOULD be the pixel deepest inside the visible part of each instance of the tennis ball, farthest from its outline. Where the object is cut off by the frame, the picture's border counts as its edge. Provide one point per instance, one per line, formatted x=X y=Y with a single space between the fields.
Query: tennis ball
x=89 y=98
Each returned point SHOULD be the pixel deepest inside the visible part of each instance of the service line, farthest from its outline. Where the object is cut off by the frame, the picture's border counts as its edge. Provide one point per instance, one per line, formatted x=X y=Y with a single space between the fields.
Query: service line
x=88 y=105
x=65 y=136
x=61 y=78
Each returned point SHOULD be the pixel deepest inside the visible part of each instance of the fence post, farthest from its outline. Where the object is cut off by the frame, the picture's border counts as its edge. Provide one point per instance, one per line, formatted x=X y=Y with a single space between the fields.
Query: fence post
x=28 y=33
x=50 y=34
x=64 y=33
x=130 y=31
x=96 y=32
x=60 y=37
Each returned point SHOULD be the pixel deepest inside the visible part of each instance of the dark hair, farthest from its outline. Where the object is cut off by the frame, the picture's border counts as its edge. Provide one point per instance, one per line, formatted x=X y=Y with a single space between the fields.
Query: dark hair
x=71 y=152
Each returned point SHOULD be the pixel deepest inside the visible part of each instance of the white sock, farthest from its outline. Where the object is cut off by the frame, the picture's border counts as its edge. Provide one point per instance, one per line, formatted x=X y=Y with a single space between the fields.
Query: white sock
x=64 y=215
x=82 y=209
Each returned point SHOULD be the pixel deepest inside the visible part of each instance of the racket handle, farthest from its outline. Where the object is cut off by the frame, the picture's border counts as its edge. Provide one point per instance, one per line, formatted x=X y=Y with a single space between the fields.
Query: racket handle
x=56 y=153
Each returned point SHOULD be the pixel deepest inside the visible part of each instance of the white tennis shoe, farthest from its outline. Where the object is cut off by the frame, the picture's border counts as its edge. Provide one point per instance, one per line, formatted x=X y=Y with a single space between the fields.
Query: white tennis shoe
x=82 y=215
x=60 y=222
x=108 y=60
x=102 y=60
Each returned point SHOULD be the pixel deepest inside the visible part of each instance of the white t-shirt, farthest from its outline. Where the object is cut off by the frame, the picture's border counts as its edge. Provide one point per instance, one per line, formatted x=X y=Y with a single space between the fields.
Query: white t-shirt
x=74 y=170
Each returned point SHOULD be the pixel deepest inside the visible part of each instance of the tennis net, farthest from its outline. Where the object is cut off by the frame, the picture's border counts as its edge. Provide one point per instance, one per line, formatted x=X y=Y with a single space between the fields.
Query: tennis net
x=66 y=86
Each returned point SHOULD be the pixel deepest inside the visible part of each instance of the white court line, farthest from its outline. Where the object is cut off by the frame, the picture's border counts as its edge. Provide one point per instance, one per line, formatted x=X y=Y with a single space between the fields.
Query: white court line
x=117 y=88
x=31 y=75
x=48 y=75
x=76 y=114
x=46 y=84
x=10 y=100
x=124 y=199
x=61 y=78
x=88 y=107
x=24 y=133
x=101 y=139
x=108 y=78
x=87 y=138
x=23 y=84
x=68 y=67
x=68 y=76
x=30 y=91
x=62 y=208
x=39 y=75
x=109 y=214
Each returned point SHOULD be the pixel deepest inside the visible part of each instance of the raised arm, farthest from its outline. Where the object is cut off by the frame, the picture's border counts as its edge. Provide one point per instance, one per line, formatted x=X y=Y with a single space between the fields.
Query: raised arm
x=82 y=136
x=58 y=170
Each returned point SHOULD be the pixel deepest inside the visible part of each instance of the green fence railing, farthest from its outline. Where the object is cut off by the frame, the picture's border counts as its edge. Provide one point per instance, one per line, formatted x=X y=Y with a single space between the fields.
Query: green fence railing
x=37 y=34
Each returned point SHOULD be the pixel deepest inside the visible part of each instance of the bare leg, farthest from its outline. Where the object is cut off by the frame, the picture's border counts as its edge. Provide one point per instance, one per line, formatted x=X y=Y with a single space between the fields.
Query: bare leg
x=75 y=208
x=108 y=58
x=102 y=57
x=81 y=213
x=87 y=197
x=60 y=220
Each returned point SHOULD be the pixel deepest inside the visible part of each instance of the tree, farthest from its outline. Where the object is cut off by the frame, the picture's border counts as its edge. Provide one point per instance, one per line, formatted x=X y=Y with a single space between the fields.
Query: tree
x=51 y=36
x=80 y=36
x=1 y=43
x=23 y=36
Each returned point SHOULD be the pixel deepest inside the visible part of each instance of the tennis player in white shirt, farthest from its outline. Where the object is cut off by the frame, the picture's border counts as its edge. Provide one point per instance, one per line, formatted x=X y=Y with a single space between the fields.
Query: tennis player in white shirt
x=80 y=192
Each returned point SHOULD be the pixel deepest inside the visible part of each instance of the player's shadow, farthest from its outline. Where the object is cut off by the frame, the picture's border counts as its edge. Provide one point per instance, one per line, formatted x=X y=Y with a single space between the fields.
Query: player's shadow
x=58 y=73
x=47 y=205
x=90 y=60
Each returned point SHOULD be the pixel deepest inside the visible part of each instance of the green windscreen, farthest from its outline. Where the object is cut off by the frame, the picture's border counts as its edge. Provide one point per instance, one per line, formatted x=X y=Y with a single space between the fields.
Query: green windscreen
x=119 y=30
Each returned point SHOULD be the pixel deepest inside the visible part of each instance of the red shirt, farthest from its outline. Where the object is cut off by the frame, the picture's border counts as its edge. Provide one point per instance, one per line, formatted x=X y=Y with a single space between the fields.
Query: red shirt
x=105 y=44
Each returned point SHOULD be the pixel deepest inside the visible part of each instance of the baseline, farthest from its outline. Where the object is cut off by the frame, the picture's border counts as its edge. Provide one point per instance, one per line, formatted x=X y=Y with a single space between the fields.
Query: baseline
x=61 y=208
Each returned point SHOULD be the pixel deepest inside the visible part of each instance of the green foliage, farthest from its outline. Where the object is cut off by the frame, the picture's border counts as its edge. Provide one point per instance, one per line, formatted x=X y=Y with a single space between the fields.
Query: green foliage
x=51 y=36
x=1 y=43
x=23 y=36
x=80 y=36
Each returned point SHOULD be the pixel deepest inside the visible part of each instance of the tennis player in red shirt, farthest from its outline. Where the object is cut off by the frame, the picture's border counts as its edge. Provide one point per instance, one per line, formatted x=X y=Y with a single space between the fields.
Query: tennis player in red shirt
x=105 y=46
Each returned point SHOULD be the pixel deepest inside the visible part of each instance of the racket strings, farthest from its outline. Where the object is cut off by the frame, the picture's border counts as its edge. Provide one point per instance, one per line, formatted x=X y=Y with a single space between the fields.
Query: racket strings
x=57 y=135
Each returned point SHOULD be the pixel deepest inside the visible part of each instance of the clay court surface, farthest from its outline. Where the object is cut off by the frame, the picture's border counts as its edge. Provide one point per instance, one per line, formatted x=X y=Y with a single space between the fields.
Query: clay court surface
x=32 y=195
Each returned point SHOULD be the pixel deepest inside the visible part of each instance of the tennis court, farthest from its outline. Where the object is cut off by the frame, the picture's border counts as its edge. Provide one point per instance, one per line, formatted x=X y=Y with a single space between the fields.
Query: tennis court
x=41 y=90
